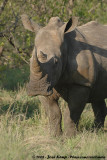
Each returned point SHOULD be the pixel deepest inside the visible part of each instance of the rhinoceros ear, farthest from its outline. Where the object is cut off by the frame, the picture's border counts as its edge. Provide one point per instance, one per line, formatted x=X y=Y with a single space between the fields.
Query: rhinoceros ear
x=70 y=25
x=29 y=24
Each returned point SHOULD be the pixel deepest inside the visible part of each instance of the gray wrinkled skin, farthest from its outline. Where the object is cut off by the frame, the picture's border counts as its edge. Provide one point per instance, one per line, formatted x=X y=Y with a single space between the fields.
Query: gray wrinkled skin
x=69 y=62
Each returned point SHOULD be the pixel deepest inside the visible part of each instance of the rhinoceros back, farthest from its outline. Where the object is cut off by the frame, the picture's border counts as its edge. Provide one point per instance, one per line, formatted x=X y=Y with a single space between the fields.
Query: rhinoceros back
x=95 y=33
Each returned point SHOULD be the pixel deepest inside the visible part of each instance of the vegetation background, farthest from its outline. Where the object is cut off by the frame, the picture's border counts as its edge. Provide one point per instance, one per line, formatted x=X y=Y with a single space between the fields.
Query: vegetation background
x=24 y=130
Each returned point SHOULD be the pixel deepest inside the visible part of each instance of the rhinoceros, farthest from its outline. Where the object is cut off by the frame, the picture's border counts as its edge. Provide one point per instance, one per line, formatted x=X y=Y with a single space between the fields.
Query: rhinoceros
x=69 y=62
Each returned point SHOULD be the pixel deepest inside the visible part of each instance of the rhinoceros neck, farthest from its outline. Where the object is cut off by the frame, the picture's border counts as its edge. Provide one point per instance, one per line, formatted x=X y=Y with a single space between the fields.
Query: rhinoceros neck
x=69 y=47
x=74 y=42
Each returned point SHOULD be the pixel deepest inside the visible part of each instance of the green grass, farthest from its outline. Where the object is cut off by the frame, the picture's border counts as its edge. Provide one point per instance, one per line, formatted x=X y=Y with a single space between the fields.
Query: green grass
x=18 y=103
x=12 y=78
x=24 y=130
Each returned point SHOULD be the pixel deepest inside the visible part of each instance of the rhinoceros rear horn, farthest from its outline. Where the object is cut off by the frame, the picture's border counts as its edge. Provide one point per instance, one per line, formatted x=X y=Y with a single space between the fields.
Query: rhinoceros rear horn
x=29 y=24
x=70 y=25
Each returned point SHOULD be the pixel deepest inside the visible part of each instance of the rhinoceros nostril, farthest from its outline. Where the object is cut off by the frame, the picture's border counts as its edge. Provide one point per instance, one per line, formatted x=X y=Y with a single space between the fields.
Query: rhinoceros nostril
x=49 y=89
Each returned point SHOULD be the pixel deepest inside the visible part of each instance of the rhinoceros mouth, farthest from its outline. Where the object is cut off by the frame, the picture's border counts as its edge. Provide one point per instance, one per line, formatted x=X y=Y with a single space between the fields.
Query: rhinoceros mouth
x=38 y=89
x=39 y=92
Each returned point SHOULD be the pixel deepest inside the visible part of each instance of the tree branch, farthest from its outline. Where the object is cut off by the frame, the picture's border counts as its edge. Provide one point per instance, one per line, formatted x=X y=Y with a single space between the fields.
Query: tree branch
x=1 y=50
x=12 y=41
x=8 y=29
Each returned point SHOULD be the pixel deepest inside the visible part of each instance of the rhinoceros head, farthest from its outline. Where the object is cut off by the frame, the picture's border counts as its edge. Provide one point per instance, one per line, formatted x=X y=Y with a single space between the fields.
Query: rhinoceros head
x=46 y=62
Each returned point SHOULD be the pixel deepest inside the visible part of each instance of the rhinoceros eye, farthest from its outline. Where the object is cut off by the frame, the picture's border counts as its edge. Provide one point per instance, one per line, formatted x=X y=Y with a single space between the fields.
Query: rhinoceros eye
x=42 y=56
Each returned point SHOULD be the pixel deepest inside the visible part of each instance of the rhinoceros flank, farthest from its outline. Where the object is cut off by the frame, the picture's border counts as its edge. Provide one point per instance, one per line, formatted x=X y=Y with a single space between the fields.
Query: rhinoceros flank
x=69 y=62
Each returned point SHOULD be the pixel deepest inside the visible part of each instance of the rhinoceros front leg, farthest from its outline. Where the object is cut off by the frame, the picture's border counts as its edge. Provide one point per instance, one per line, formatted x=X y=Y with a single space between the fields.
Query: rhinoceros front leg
x=99 y=108
x=77 y=98
x=54 y=114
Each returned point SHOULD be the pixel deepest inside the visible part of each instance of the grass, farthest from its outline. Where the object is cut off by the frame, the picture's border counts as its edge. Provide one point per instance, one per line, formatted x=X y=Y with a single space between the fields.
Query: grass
x=12 y=78
x=24 y=130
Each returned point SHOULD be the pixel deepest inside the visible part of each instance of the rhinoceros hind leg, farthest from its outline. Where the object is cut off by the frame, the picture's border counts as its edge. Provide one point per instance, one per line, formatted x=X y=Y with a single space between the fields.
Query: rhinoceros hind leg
x=99 y=108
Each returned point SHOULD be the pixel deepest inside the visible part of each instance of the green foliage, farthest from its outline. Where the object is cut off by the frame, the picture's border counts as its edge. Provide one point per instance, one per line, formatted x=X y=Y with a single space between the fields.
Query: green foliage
x=18 y=43
x=90 y=10
x=11 y=78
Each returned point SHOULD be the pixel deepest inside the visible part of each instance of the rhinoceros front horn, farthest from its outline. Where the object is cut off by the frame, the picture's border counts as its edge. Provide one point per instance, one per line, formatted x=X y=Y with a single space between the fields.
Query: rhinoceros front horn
x=38 y=84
